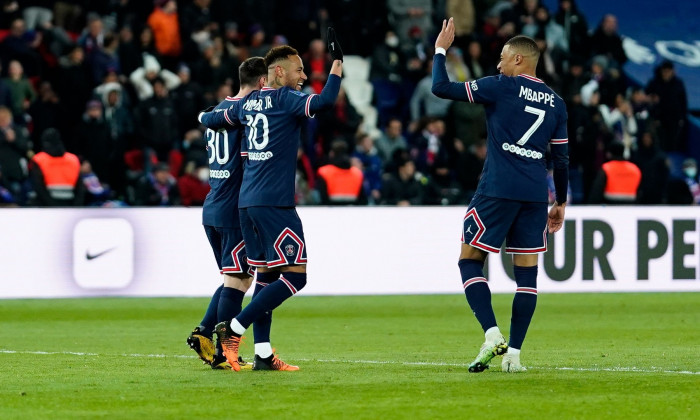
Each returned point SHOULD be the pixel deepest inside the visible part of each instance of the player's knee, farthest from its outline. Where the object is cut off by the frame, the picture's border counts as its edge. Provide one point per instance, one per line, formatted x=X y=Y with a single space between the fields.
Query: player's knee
x=525 y=276
x=296 y=280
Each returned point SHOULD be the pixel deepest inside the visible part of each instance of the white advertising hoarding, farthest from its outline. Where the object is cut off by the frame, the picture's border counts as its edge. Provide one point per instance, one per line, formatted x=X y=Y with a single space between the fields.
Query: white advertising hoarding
x=361 y=250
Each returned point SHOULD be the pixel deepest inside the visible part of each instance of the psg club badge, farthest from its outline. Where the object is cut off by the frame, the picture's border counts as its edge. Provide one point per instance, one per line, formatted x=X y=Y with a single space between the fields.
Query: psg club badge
x=289 y=249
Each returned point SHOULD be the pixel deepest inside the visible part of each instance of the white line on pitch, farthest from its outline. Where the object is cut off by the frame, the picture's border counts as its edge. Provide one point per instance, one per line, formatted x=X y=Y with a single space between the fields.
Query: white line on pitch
x=364 y=362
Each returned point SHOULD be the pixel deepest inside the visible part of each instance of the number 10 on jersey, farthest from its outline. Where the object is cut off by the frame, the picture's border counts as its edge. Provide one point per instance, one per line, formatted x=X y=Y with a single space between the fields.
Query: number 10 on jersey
x=253 y=123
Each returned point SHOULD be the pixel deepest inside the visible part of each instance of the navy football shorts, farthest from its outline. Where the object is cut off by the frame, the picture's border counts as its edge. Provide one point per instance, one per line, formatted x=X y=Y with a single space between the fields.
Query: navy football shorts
x=229 y=249
x=490 y=221
x=273 y=235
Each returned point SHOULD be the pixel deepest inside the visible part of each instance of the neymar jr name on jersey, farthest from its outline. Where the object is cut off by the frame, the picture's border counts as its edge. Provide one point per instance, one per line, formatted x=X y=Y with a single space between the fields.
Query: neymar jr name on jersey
x=535 y=96
x=257 y=104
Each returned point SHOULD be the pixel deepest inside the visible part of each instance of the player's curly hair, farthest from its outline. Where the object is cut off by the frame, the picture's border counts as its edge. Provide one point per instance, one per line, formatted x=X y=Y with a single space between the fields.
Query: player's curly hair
x=251 y=70
x=524 y=45
x=278 y=54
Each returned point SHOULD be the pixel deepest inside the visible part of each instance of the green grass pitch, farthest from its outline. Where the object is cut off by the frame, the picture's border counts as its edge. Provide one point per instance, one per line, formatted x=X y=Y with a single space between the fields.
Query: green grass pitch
x=590 y=356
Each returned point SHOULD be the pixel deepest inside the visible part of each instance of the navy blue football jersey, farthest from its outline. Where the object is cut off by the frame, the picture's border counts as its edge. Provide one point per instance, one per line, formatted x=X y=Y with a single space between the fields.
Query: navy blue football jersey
x=272 y=120
x=225 y=173
x=524 y=117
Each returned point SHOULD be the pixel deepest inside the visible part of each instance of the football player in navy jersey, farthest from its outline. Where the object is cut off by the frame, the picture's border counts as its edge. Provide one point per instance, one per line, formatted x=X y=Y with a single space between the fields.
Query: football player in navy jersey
x=524 y=118
x=221 y=223
x=271 y=227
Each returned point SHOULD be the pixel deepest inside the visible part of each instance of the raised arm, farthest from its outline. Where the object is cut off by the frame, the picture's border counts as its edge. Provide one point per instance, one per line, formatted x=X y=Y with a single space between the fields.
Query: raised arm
x=442 y=87
x=218 y=118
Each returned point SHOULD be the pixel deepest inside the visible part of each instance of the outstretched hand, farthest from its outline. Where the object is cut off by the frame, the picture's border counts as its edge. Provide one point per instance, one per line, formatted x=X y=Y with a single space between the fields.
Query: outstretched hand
x=555 y=219
x=447 y=34
x=334 y=45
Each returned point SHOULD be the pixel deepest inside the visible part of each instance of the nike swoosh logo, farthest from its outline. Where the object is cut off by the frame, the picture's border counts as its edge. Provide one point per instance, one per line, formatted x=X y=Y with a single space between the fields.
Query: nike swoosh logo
x=89 y=256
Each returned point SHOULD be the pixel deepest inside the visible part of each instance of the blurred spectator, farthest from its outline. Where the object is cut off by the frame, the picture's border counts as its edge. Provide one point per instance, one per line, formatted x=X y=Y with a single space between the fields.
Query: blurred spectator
x=5 y=92
x=258 y=47
x=368 y=161
x=158 y=188
x=618 y=180
x=423 y=102
x=304 y=181
x=73 y=85
x=406 y=14
x=403 y=187
x=129 y=54
x=166 y=31
x=670 y=101
x=193 y=13
x=386 y=74
x=55 y=174
x=464 y=16
x=685 y=189
x=639 y=101
x=105 y=59
x=572 y=82
x=213 y=68
x=653 y=163
x=14 y=144
x=607 y=42
x=156 y=120
x=543 y=27
x=21 y=89
x=117 y=114
x=21 y=45
x=143 y=78
x=339 y=122
x=46 y=112
x=194 y=148
x=339 y=182
x=470 y=163
x=475 y=61
x=427 y=148
x=10 y=12
x=575 y=27
x=37 y=12
x=456 y=68
x=390 y=141
x=6 y=197
x=621 y=123
x=93 y=36
x=67 y=14
x=96 y=193
x=94 y=143
x=317 y=65
x=193 y=185
x=188 y=99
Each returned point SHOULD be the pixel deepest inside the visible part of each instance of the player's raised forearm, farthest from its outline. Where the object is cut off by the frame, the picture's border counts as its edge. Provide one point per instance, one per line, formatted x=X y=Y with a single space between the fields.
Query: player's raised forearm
x=328 y=95
x=442 y=87
x=337 y=68
x=214 y=119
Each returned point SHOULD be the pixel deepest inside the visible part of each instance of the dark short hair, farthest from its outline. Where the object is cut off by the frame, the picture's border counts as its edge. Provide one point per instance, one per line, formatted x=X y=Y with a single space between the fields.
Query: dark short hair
x=278 y=54
x=251 y=70
x=524 y=45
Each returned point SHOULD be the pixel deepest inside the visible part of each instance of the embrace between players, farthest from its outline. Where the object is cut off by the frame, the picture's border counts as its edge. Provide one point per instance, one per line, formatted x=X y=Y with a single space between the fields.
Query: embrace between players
x=251 y=222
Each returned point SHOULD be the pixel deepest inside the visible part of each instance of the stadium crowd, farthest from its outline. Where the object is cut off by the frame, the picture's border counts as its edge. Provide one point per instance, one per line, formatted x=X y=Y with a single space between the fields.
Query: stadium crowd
x=115 y=86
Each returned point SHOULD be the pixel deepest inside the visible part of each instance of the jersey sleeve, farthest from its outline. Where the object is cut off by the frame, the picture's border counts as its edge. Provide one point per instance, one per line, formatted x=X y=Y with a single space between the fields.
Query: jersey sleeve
x=559 y=147
x=485 y=90
x=244 y=143
x=304 y=105
x=220 y=118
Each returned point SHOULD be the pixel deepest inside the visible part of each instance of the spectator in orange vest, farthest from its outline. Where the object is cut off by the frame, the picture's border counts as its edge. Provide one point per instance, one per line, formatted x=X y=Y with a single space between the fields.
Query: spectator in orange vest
x=618 y=180
x=339 y=182
x=166 y=31
x=55 y=173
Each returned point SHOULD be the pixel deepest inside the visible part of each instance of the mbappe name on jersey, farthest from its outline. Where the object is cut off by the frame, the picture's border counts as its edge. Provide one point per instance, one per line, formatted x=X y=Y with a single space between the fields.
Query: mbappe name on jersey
x=535 y=96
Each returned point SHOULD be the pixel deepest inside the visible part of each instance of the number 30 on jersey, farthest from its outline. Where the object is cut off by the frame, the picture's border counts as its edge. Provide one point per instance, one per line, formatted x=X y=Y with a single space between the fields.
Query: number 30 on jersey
x=253 y=122
x=214 y=139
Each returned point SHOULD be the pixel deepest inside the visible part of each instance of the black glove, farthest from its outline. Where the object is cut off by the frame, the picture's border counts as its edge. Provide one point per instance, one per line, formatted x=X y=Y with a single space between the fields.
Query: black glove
x=334 y=46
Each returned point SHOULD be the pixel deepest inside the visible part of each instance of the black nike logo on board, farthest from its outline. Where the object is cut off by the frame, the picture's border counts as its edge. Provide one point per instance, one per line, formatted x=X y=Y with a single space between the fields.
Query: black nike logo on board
x=89 y=256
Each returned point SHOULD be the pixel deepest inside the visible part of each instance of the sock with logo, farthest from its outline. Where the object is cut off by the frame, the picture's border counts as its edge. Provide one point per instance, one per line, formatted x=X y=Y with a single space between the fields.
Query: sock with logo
x=477 y=291
x=262 y=325
x=209 y=320
x=270 y=297
x=524 y=304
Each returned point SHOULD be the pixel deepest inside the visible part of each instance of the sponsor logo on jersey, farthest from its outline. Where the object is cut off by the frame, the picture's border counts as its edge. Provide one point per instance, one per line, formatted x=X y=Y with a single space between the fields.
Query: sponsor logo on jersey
x=259 y=155
x=219 y=174
x=473 y=85
x=521 y=151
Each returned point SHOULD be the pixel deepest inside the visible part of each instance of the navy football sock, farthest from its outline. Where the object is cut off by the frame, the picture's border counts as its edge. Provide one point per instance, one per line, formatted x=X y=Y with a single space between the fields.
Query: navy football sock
x=477 y=291
x=209 y=319
x=524 y=304
x=230 y=303
x=262 y=325
x=272 y=296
